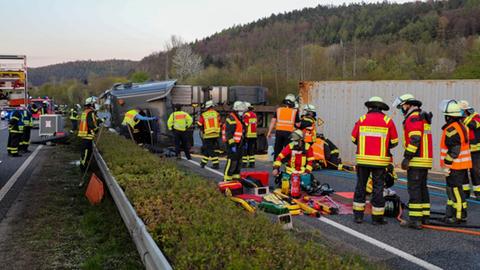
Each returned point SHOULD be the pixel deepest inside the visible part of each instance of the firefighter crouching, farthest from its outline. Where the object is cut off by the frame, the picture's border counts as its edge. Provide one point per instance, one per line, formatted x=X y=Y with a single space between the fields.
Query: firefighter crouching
x=178 y=122
x=250 y=121
x=456 y=160
x=299 y=159
x=417 y=158
x=27 y=128
x=209 y=123
x=132 y=120
x=374 y=134
x=234 y=137
x=284 y=121
x=15 y=131
x=472 y=122
x=87 y=128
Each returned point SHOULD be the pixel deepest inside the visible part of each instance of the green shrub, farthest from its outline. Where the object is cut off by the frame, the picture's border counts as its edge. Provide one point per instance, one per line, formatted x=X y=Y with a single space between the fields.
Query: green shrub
x=198 y=228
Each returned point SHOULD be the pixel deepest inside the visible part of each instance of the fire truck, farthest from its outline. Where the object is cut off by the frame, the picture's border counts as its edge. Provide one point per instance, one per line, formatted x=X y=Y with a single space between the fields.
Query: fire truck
x=13 y=83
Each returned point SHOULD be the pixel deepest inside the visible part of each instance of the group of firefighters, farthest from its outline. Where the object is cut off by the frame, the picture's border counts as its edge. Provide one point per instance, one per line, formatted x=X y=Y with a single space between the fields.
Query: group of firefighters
x=19 y=129
x=297 y=145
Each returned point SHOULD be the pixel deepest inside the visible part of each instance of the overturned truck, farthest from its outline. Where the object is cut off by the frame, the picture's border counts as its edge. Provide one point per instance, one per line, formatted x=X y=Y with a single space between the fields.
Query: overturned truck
x=159 y=98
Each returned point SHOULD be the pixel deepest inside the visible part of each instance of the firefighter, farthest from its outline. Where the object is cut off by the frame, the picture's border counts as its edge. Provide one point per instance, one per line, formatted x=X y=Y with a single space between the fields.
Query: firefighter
x=179 y=121
x=299 y=158
x=250 y=121
x=327 y=155
x=132 y=120
x=15 y=131
x=234 y=137
x=27 y=127
x=417 y=158
x=472 y=121
x=86 y=131
x=209 y=123
x=44 y=109
x=284 y=121
x=308 y=123
x=73 y=116
x=34 y=109
x=374 y=134
x=456 y=160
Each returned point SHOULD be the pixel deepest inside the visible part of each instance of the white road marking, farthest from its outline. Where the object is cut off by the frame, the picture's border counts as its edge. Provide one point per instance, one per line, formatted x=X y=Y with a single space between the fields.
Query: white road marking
x=16 y=175
x=407 y=256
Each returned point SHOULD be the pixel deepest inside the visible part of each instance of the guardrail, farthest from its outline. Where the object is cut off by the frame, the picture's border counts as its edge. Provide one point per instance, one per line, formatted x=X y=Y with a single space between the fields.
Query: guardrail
x=152 y=257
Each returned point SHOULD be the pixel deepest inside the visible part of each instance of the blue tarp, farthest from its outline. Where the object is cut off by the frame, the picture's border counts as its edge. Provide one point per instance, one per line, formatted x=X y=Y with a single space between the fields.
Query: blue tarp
x=143 y=88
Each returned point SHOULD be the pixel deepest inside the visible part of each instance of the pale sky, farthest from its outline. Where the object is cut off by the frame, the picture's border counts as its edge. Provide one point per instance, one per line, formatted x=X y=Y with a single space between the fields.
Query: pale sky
x=55 y=31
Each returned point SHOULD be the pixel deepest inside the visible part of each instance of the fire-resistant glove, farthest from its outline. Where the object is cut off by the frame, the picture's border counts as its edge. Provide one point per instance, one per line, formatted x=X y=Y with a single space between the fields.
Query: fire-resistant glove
x=405 y=163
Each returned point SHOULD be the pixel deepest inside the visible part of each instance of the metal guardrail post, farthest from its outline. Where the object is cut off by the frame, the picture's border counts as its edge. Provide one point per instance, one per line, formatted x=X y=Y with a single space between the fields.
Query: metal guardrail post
x=152 y=257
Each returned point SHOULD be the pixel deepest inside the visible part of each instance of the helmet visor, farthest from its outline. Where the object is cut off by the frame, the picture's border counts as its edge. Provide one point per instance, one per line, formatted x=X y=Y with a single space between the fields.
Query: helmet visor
x=397 y=103
x=443 y=106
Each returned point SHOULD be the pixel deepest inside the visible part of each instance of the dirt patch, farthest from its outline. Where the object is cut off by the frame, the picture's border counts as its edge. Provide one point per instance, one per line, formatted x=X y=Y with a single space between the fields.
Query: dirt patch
x=52 y=226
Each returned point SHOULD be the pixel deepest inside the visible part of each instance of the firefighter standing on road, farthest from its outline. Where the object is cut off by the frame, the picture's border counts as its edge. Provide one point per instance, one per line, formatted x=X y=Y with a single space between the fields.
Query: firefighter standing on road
x=472 y=121
x=417 y=158
x=456 y=160
x=284 y=121
x=87 y=128
x=250 y=120
x=73 y=116
x=15 y=130
x=308 y=123
x=234 y=137
x=132 y=121
x=374 y=134
x=209 y=123
x=179 y=121
x=27 y=127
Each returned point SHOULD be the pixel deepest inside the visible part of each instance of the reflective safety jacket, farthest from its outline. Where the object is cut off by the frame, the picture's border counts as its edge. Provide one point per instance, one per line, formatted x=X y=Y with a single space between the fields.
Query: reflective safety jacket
x=233 y=130
x=417 y=138
x=27 y=118
x=88 y=124
x=308 y=126
x=319 y=151
x=286 y=118
x=179 y=121
x=300 y=160
x=454 y=147
x=374 y=134
x=473 y=124
x=210 y=121
x=130 y=119
x=15 y=124
x=73 y=114
x=250 y=120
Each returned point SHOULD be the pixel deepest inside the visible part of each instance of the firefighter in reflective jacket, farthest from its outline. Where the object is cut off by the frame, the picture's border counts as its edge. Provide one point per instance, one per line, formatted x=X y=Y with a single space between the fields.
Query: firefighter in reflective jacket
x=234 y=137
x=209 y=123
x=178 y=122
x=284 y=121
x=472 y=121
x=27 y=126
x=456 y=160
x=250 y=121
x=132 y=120
x=298 y=157
x=308 y=124
x=73 y=116
x=374 y=134
x=15 y=130
x=86 y=131
x=417 y=158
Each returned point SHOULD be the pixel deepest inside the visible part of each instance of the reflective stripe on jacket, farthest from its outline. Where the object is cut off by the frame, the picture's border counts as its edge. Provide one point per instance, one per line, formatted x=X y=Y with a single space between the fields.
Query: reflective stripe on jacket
x=210 y=121
x=286 y=119
x=250 y=120
x=297 y=160
x=418 y=140
x=129 y=118
x=179 y=121
x=473 y=124
x=84 y=131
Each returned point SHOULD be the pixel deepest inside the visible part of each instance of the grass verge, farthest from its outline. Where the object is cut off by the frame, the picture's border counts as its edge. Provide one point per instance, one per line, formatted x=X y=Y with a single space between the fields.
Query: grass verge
x=198 y=228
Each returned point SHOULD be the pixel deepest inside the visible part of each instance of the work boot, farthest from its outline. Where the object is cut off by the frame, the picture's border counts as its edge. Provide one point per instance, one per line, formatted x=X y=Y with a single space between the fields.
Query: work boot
x=451 y=220
x=413 y=224
x=202 y=165
x=378 y=220
x=358 y=218
x=216 y=166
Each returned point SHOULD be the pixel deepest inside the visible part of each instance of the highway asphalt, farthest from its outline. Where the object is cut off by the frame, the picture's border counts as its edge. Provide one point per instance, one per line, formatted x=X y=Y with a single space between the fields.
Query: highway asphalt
x=10 y=165
x=397 y=247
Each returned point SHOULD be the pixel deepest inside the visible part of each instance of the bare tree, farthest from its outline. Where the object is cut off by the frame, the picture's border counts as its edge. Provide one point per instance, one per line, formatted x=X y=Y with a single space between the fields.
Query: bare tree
x=186 y=63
